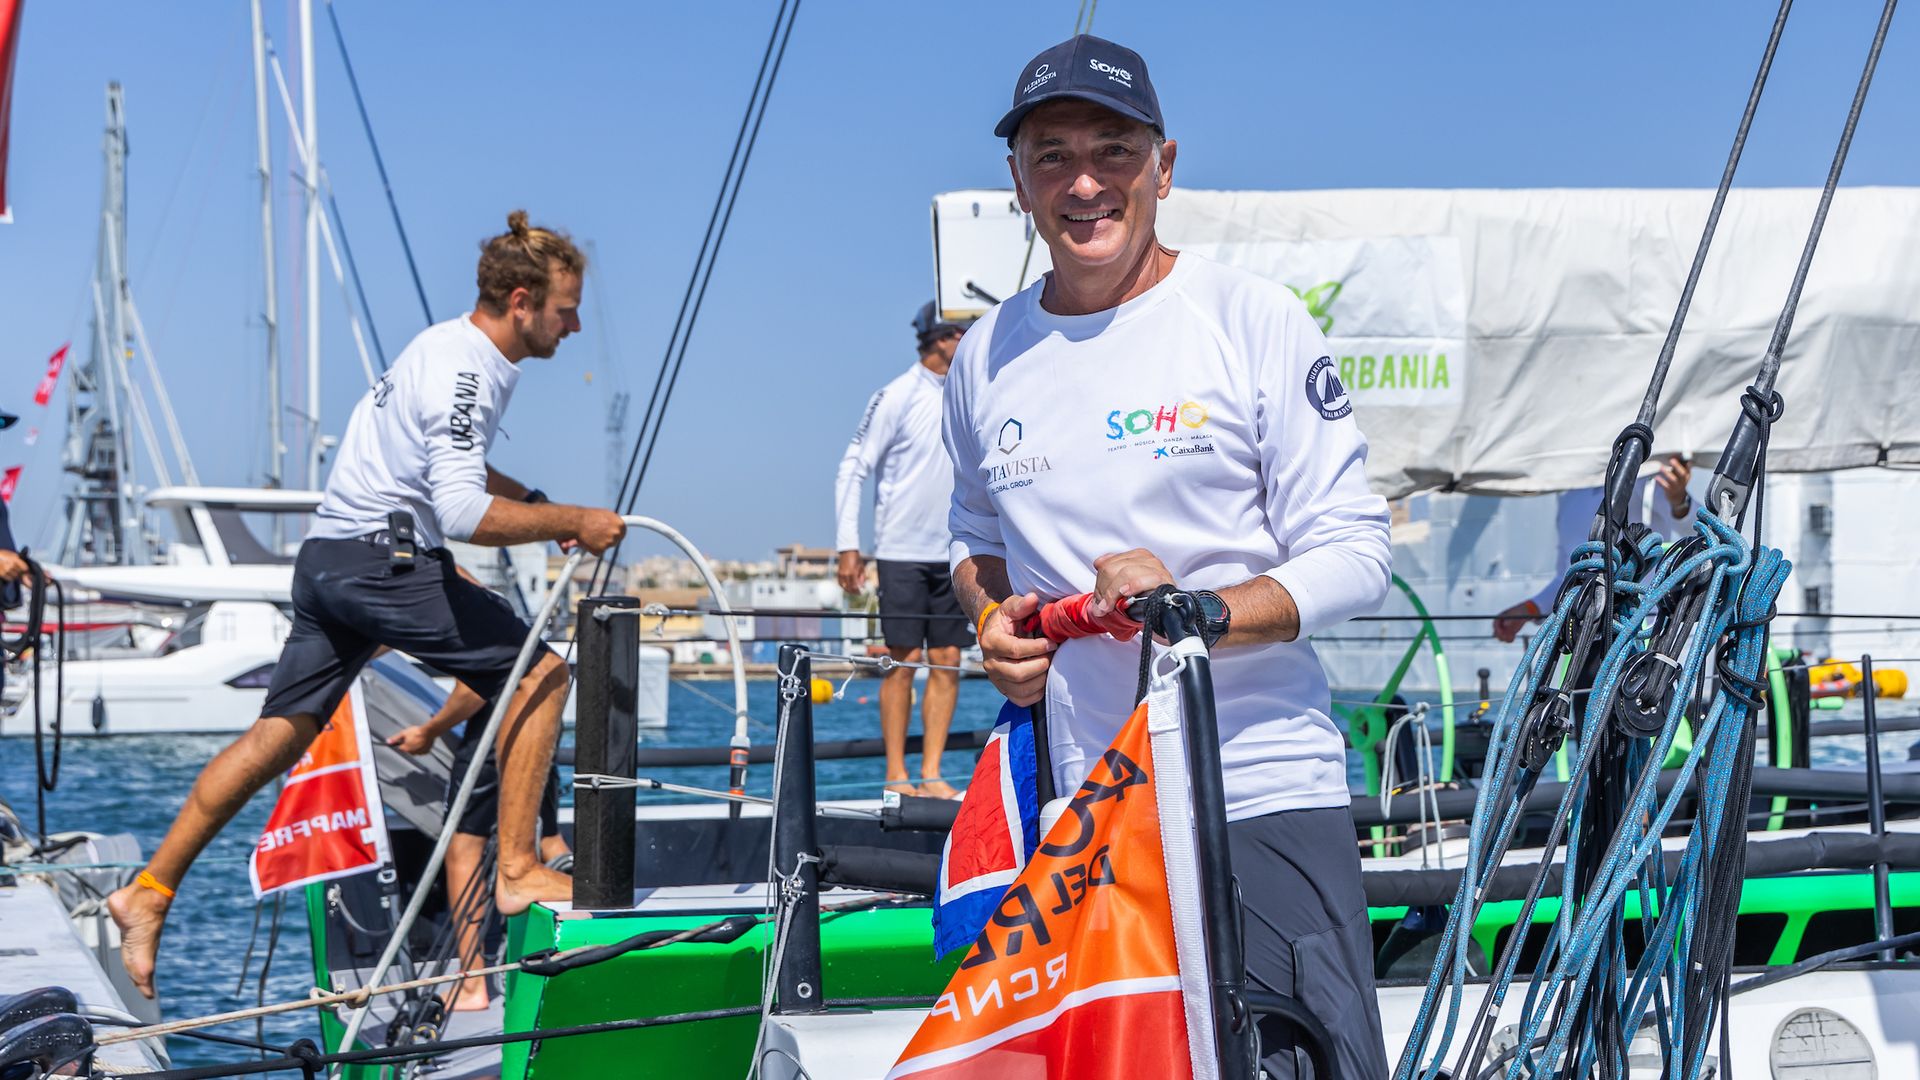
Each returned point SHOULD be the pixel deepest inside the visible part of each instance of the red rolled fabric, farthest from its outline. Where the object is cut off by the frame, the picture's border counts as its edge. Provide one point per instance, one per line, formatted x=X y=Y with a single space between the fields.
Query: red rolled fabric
x=1066 y=619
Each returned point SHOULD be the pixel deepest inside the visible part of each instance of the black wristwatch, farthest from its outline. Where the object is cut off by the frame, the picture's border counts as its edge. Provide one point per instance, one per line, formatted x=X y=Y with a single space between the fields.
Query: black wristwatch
x=535 y=495
x=1215 y=617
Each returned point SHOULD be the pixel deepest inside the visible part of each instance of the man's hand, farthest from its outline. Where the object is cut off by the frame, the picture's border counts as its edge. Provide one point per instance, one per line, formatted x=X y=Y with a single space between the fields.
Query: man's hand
x=597 y=530
x=1672 y=481
x=853 y=573
x=415 y=740
x=12 y=566
x=1017 y=666
x=1122 y=575
x=1508 y=624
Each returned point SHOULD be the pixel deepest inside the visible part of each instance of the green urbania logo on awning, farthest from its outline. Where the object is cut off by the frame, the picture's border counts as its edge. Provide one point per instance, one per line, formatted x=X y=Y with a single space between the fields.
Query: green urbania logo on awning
x=1319 y=300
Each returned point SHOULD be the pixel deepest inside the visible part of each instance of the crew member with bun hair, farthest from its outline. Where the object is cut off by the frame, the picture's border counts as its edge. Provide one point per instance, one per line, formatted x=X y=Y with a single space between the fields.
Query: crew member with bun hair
x=374 y=571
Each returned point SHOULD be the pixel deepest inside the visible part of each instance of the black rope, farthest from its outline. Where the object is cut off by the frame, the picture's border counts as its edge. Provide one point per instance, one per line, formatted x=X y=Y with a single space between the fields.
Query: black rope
x=717 y=220
x=33 y=636
x=380 y=165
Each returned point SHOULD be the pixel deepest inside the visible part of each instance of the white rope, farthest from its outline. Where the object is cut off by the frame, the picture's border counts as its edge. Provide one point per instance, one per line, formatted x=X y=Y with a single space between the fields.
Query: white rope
x=1426 y=789
x=888 y=663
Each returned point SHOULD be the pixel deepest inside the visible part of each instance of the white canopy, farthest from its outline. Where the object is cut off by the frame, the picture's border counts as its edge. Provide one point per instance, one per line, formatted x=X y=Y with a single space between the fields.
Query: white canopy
x=1497 y=341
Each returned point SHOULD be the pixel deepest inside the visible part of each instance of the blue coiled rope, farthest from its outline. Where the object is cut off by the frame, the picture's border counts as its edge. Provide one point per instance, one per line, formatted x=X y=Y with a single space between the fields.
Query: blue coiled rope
x=1741 y=585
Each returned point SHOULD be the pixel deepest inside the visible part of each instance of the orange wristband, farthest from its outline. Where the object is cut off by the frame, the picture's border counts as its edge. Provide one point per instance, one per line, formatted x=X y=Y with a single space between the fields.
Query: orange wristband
x=980 y=627
x=146 y=880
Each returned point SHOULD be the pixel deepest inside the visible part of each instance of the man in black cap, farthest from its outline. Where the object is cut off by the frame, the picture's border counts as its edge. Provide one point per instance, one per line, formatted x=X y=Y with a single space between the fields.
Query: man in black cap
x=898 y=441
x=1140 y=417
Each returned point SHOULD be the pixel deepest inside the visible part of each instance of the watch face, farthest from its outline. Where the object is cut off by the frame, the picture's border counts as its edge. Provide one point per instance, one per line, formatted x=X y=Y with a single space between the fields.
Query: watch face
x=1212 y=608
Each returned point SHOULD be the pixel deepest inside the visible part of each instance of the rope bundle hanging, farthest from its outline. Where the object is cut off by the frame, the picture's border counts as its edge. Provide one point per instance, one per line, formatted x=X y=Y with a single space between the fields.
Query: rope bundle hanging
x=1633 y=631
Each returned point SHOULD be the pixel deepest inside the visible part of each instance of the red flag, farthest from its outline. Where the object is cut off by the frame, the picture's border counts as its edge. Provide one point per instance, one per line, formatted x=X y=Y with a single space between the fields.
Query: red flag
x=1094 y=965
x=44 y=393
x=328 y=822
x=8 y=482
x=9 y=37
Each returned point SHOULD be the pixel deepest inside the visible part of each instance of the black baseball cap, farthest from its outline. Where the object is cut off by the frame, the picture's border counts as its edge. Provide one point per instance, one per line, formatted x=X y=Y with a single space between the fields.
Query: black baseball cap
x=928 y=326
x=1091 y=69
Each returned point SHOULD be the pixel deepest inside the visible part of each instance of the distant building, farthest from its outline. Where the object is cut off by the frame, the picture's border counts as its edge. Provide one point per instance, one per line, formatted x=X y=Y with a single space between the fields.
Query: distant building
x=800 y=561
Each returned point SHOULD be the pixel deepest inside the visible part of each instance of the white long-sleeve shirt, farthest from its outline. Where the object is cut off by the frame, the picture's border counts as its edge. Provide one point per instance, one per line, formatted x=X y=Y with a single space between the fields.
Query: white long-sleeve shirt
x=1204 y=422
x=899 y=436
x=418 y=440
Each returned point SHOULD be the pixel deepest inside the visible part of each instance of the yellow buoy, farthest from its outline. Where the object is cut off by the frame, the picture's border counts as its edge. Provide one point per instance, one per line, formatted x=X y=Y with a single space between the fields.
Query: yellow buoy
x=822 y=691
x=1890 y=682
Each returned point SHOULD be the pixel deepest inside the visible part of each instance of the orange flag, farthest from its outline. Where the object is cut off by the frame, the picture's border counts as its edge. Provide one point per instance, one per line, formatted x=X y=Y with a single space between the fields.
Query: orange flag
x=1094 y=964
x=328 y=822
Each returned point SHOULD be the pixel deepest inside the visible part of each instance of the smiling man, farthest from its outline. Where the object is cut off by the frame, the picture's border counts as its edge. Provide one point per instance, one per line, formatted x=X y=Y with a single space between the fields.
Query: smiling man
x=1141 y=416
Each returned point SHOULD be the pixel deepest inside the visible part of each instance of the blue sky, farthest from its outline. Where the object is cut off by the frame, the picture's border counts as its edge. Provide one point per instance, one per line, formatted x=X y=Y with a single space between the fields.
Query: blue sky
x=614 y=120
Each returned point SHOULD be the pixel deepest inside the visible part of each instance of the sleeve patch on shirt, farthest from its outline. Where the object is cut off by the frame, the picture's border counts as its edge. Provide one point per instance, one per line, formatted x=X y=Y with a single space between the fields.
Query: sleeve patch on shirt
x=1324 y=391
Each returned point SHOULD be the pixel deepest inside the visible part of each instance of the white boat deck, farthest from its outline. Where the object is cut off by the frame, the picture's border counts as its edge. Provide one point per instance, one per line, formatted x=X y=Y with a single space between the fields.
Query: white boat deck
x=38 y=947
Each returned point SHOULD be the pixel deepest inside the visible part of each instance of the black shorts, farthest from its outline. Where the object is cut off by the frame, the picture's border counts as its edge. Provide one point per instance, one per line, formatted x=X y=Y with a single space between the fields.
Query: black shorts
x=1307 y=935
x=928 y=613
x=483 y=806
x=347 y=602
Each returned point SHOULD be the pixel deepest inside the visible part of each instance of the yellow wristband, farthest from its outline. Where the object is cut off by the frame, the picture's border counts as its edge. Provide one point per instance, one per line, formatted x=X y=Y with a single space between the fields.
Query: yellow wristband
x=980 y=628
x=146 y=880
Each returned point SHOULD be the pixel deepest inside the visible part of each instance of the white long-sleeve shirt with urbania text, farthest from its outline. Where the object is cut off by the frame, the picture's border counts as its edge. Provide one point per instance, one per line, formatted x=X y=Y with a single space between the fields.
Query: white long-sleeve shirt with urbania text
x=1203 y=420
x=418 y=440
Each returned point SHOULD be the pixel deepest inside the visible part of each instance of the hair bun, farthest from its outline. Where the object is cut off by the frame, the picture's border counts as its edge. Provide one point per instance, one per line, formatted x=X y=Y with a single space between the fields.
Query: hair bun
x=517 y=223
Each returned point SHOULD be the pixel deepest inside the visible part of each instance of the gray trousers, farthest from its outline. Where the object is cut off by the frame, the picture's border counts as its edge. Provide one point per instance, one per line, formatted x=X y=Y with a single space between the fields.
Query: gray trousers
x=1307 y=936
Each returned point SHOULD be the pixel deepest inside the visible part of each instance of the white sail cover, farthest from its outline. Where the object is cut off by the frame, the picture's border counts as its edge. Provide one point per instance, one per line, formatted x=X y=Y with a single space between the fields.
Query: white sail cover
x=1497 y=341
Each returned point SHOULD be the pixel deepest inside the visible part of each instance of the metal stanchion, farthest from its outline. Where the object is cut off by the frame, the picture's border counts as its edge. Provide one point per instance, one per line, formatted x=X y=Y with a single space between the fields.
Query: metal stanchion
x=1876 y=808
x=606 y=739
x=795 y=847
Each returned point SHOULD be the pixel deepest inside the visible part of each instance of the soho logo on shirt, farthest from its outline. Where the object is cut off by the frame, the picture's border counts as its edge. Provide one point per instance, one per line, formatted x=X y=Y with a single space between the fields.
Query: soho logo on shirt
x=1172 y=430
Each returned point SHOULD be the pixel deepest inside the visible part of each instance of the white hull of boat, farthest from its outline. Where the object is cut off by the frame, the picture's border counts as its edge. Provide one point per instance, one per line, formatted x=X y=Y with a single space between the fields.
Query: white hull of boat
x=1831 y=1025
x=182 y=693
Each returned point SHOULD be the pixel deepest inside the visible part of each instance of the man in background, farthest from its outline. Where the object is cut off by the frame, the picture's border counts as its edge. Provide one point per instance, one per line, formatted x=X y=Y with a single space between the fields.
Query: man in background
x=1668 y=515
x=898 y=441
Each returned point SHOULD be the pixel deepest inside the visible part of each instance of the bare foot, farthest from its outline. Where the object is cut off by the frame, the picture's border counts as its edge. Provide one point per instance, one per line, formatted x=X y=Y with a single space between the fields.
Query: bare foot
x=141 y=914
x=515 y=894
x=901 y=787
x=936 y=788
x=471 y=997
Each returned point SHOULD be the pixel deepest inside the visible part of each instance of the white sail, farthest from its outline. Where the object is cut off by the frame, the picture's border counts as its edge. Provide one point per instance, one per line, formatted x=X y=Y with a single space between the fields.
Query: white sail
x=1549 y=307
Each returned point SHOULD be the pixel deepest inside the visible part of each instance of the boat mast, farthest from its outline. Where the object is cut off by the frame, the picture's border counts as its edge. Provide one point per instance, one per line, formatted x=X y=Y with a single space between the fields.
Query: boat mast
x=100 y=510
x=316 y=446
x=270 y=314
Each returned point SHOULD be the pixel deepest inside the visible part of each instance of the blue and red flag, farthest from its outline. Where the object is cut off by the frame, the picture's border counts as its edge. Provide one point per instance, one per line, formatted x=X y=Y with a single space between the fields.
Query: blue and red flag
x=993 y=836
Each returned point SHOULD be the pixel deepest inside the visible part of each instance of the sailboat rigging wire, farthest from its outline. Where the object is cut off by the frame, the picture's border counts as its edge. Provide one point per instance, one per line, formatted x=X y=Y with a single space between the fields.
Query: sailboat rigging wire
x=654 y=413
x=325 y=220
x=1652 y=398
x=1770 y=364
x=380 y=165
x=353 y=269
